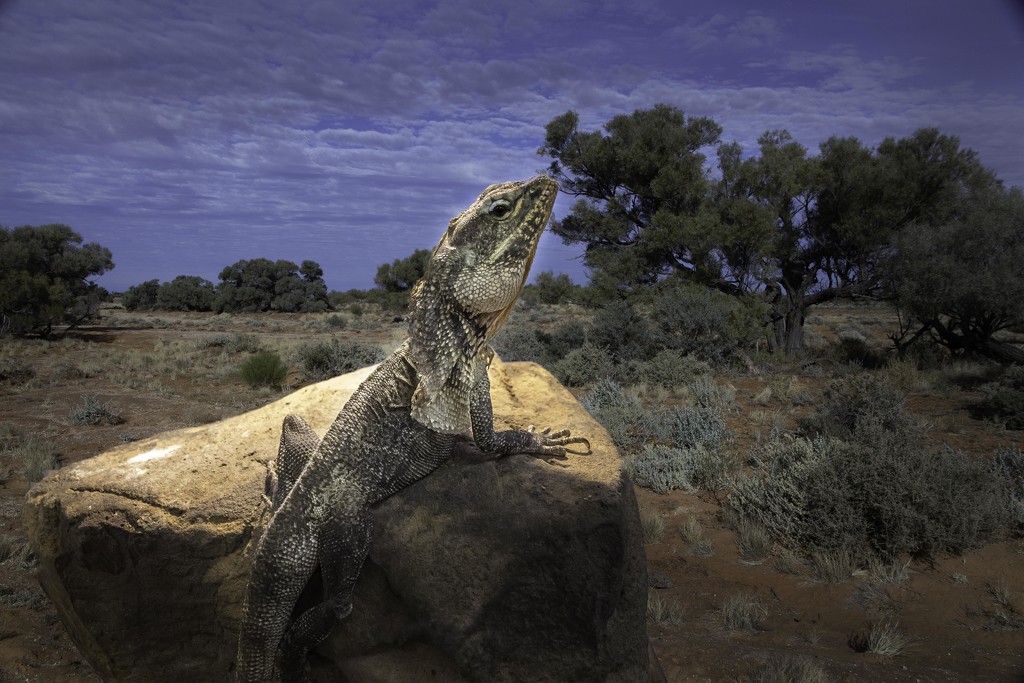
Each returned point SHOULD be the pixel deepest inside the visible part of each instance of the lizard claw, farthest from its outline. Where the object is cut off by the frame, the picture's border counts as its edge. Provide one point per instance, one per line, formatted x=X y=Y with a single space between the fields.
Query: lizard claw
x=553 y=443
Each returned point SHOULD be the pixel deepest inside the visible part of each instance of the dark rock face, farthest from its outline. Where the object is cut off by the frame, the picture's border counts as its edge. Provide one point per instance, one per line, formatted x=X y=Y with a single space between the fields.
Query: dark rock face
x=509 y=570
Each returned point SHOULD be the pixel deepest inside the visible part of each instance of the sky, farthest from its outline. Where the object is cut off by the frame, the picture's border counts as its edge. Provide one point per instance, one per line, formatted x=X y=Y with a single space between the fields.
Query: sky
x=185 y=136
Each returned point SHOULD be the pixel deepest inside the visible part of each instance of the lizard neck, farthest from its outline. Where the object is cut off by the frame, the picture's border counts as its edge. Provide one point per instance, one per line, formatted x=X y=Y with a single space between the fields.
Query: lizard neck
x=446 y=346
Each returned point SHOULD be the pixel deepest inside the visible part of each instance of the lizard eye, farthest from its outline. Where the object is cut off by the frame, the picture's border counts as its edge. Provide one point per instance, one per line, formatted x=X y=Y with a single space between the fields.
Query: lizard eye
x=500 y=208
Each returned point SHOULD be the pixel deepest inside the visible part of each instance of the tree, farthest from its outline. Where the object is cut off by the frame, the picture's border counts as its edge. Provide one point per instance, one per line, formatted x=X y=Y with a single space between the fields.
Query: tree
x=643 y=185
x=401 y=274
x=142 y=296
x=264 y=285
x=795 y=229
x=962 y=281
x=186 y=293
x=44 y=278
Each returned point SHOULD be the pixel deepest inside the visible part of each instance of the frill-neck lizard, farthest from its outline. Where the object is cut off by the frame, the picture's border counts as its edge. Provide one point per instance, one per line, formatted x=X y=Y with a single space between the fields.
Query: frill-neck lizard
x=398 y=426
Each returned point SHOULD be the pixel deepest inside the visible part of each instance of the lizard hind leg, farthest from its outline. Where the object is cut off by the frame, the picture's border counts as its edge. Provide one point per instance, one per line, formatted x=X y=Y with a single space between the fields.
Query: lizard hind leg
x=298 y=444
x=344 y=543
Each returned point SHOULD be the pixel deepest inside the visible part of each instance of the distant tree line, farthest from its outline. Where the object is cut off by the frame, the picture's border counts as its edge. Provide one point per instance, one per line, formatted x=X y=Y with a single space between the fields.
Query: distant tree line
x=918 y=220
x=247 y=286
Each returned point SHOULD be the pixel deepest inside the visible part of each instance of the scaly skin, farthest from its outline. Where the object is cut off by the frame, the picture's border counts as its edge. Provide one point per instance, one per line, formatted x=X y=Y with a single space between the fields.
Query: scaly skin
x=398 y=427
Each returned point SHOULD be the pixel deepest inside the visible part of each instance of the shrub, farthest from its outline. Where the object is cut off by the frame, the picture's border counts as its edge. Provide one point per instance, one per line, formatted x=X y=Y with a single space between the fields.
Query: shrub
x=1004 y=399
x=336 y=321
x=621 y=329
x=695 y=426
x=703 y=322
x=584 y=365
x=672 y=368
x=865 y=409
x=625 y=418
x=15 y=371
x=243 y=343
x=264 y=368
x=829 y=495
x=94 y=412
x=1008 y=465
x=567 y=336
x=324 y=359
x=519 y=343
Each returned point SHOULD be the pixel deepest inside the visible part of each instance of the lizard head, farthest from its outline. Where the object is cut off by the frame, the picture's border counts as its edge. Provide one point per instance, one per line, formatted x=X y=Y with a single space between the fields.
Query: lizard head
x=470 y=286
x=484 y=257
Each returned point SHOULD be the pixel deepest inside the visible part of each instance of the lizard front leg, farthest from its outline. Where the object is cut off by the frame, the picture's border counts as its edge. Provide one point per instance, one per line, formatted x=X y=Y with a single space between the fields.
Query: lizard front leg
x=512 y=441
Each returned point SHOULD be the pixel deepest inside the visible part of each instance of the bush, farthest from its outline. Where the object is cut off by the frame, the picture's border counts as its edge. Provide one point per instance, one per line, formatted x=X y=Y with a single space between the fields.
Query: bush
x=15 y=371
x=671 y=368
x=324 y=359
x=1009 y=467
x=865 y=409
x=243 y=343
x=520 y=344
x=625 y=418
x=665 y=468
x=564 y=338
x=830 y=495
x=703 y=322
x=584 y=365
x=94 y=412
x=621 y=329
x=549 y=288
x=1004 y=399
x=264 y=368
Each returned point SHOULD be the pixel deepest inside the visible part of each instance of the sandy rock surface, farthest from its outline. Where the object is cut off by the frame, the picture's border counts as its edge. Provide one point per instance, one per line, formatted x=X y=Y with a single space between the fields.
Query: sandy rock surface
x=516 y=569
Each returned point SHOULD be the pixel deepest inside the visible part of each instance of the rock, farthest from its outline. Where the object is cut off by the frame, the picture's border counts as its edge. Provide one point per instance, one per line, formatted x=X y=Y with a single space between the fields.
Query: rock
x=509 y=570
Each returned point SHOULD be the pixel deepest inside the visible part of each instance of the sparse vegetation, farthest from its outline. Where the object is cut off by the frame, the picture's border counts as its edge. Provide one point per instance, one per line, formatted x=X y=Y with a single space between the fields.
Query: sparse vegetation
x=94 y=412
x=661 y=611
x=653 y=526
x=743 y=612
x=790 y=669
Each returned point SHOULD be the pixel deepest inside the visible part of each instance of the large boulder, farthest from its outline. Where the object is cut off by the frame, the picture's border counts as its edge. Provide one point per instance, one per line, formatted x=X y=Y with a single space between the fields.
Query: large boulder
x=518 y=569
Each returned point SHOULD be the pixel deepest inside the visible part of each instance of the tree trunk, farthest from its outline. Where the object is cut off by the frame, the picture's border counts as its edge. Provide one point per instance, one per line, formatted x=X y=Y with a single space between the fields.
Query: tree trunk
x=795 y=330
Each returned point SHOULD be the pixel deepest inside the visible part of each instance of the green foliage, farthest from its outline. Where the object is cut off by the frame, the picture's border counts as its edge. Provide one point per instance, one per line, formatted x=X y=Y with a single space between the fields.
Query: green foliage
x=702 y=322
x=798 y=228
x=186 y=293
x=141 y=297
x=323 y=359
x=401 y=274
x=624 y=331
x=262 y=285
x=264 y=369
x=960 y=281
x=15 y=371
x=664 y=468
x=549 y=288
x=44 y=278
x=669 y=368
x=584 y=365
x=1004 y=399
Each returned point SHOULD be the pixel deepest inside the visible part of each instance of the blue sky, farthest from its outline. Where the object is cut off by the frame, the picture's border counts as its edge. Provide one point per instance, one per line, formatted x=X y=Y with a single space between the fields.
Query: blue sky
x=185 y=136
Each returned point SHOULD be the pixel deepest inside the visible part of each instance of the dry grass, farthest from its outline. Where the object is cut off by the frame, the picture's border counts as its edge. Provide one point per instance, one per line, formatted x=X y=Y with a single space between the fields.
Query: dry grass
x=693 y=535
x=886 y=638
x=790 y=669
x=661 y=611
x=743 y=612
x=653 y=526
x=835 y=566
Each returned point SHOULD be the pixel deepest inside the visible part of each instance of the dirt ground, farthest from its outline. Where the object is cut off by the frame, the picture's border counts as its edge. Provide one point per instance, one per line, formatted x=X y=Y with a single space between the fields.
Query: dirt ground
x=161 y=372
